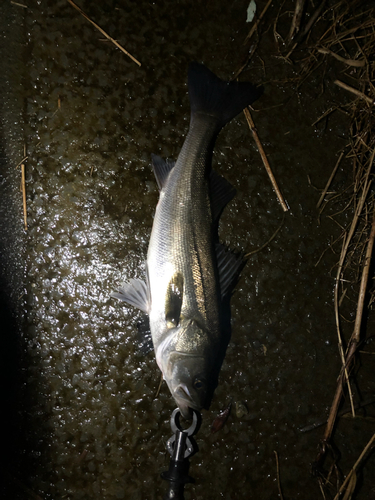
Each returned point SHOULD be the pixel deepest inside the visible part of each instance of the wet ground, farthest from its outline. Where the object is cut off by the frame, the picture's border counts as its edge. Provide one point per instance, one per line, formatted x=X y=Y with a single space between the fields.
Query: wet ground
x=90 y=425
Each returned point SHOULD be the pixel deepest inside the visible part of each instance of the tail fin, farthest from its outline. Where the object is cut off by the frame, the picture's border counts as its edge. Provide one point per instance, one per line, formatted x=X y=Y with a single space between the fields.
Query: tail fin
x=212 y=96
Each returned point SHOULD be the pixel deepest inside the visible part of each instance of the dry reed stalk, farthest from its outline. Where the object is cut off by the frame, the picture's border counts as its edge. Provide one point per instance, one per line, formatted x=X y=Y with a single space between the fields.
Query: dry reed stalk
x=23 y=185
x=354 y=91
x=296 y=22
x=265 y=159
x=364 y=280
x=104 y=33
x=19 y=4
x=308 y=27
x=351 y=33
x=353 y=345
x=322 y=490
x=356 y=63
x=346 y=243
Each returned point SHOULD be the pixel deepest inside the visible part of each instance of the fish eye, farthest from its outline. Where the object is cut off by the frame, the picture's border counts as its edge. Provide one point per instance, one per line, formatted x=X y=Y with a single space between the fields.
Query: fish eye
x=198 y=383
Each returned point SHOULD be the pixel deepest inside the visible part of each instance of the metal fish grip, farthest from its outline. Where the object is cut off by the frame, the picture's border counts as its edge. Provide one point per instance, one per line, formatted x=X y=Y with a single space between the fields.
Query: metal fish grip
x=180 y=446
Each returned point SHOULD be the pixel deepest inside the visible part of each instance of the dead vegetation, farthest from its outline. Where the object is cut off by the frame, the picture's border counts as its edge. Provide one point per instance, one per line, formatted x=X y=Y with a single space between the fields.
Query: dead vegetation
x=342 y=33
x=349 y=39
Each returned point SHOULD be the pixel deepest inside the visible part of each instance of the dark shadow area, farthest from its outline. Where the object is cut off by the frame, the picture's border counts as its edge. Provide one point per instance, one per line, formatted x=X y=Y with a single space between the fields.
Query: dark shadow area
x=10 y=393
x=12 y=262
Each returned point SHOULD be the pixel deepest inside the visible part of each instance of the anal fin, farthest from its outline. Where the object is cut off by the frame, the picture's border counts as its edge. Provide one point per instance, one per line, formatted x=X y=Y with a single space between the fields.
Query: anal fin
x=229 y=266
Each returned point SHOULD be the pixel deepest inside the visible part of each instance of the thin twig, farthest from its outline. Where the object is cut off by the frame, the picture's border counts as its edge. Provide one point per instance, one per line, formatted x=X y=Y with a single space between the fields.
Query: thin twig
x=265 y=160
x=104 y=33
x=334 y=407
x=81 y=457
x=255 y=25
x=312 y=20
x=159 y=387
x=308 y=27
x=23 y=159
x=296 y=22
x=267 y=242
x=342 y=413
x=19 y=4
x=23 y=184
x=326 y=113
x=278 y=475
x=247 y=60
x=356 y=63
x=329 y=181
x=364 y=281
x=355 y=466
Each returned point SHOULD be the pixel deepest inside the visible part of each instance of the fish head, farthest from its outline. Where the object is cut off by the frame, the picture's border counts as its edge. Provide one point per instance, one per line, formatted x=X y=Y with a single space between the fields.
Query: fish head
x=186 y=359
x=188 y=382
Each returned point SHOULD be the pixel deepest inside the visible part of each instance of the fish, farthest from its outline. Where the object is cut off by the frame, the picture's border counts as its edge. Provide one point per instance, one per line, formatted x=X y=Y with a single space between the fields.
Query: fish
x=188 y=271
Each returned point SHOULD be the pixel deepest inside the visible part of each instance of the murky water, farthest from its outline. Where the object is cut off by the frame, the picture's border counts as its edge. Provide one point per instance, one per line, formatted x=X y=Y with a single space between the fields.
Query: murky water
x=91 y=425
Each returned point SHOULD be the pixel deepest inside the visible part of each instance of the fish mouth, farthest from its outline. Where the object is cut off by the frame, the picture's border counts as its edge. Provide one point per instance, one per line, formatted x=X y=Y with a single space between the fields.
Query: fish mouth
x=185 y=401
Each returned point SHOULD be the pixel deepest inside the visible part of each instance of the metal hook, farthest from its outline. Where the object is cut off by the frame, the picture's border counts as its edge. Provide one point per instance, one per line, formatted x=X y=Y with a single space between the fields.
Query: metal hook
x=175 y=422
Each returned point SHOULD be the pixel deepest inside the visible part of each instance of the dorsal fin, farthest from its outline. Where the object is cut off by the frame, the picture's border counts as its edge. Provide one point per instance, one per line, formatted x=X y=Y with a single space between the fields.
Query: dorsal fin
x=161 y=170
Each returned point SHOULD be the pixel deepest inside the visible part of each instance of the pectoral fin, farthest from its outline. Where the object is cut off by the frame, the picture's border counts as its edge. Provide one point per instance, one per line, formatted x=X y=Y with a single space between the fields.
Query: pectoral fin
x=173 y=300
x=161 y=170
x=135 y=293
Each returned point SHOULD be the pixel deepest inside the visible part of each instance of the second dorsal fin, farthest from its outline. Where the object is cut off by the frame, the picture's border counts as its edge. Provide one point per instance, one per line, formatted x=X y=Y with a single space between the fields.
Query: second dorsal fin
x=221 y=193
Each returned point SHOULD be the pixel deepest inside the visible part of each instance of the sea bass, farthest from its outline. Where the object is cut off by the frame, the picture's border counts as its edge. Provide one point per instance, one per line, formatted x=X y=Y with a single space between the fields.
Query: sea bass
x=188 y=272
